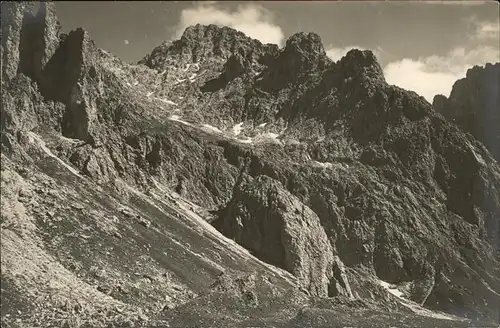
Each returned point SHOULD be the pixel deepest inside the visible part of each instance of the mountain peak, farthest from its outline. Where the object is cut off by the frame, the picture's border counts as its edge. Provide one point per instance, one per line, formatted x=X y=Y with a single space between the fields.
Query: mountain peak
x=305 y=42
x=362 y=62
x=303 y=52
x=199 y=42
x=200 y=32
x=477 y=70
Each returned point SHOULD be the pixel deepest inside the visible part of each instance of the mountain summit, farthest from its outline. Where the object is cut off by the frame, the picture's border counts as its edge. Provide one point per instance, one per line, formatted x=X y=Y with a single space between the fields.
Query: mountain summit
x=224 y=182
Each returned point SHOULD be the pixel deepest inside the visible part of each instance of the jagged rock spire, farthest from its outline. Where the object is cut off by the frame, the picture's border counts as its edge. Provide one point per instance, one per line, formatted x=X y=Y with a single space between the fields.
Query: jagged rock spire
x=303 y=52
x=361 y=62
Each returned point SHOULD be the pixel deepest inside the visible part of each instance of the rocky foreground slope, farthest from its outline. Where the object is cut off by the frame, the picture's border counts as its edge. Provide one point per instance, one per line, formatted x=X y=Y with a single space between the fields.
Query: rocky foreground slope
x=221 y=182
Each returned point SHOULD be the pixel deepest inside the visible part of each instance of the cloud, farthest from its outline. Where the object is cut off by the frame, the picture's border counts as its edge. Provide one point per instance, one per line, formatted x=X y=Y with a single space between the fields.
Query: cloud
x=336 y=54
x=487 y=31
x=253 y=20
x=413 y=75
x=482 y=30
x=433 y=75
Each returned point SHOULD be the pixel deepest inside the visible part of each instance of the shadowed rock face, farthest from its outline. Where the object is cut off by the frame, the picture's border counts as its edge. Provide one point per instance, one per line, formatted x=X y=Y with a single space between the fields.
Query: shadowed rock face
x=278 y=228
x=474 y=104
x=352 y=197
x=29 y=38
x=13 y=18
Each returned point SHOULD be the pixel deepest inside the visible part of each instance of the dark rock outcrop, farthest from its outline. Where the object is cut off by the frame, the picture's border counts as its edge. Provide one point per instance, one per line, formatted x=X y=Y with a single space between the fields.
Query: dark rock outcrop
x=39 y=40
x=303 y=54
x=275 y=226
x=30 y=37
x=14 y=18
x=71 y=77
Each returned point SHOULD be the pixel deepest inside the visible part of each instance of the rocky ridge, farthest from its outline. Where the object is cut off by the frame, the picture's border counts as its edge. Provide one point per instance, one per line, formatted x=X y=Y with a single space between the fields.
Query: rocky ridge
x=364 y=198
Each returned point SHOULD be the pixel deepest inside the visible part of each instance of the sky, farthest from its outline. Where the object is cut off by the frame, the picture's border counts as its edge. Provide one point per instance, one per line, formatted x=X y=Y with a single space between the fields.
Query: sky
x=424 y=46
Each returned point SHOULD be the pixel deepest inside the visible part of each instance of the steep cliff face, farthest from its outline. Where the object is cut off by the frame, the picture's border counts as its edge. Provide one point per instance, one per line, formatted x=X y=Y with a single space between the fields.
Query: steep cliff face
x=14 y=17
x=278 y=228
x=474 y=105
x=351 y=195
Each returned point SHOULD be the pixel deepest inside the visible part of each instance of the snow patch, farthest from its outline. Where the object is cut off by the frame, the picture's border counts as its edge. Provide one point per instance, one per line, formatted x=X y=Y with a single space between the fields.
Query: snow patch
x=237 y=128
x=149 y=94
x=166 y=101
x=428 y=313
x=187 y=67
x=262 y=138
x=292 y=142
x=489 y=287
x=245 y=140
x=197 y=67
x=476 y=155
x=34 y=138
x=328 y=165
x=210 y=128
x=73 y=141
x=322 y=164
x=177 y=118
x=268 y=137
x=390 y=288
x=179 y=81
x=417 y=309
x=136 y=82
x=261 y=125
